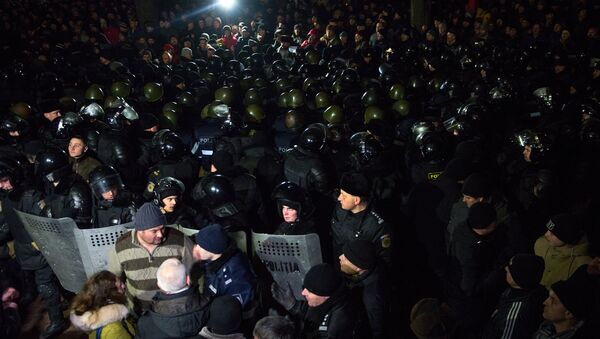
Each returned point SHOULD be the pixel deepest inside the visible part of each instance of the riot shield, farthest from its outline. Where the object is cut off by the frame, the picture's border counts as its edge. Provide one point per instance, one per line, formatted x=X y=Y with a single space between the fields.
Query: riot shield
x=94 y=245
x=56 y=240
x=288 y=257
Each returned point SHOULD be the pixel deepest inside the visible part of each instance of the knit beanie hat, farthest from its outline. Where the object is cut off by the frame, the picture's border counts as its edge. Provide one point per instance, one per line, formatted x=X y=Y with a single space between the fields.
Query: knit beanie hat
x=526 y=270
x=222 y=160
x=225 y=315
x=564 y=227
x=576 y=294
x=213 y=238
x=481 y=215
x=477 y=185
x=149 y=216
x=356 y=184
x=322 y=280
x=361 y=253
x=430 y=319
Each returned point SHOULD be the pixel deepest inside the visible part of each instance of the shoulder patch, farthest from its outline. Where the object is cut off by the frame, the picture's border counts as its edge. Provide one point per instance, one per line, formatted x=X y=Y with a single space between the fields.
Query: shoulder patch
x=386 y=241
x=379 y=219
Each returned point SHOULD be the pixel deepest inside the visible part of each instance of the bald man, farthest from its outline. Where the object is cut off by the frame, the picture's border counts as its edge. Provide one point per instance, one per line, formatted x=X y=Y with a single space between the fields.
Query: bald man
x=178 y=311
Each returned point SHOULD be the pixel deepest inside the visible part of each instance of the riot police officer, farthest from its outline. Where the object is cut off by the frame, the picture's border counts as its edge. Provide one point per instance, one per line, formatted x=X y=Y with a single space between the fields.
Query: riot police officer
x=66 y=194
x=174 y=161
x=113 y=204
x=219 y=205
x=295 y=210
x=16 y=193
x=116 y=148
x=304 y=164
x=168 y=194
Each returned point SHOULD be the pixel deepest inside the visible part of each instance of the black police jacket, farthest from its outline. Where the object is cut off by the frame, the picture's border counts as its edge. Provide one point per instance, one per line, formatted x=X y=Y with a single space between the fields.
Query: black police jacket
x=306 y=170
x=72 y=198
x=371 y=289
x=368 y=225
x=334 y=319
x=28 y=201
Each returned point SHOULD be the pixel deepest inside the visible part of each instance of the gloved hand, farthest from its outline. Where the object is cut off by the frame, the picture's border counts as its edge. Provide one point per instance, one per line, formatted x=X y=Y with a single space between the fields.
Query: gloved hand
x=283 y=295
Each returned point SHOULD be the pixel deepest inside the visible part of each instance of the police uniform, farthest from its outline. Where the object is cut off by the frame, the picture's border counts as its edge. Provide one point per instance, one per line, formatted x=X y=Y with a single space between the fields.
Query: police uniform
x=368 y=225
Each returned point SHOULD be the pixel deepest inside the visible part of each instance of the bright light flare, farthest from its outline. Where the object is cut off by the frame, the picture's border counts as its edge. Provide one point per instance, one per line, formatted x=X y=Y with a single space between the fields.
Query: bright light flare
x=226 y=4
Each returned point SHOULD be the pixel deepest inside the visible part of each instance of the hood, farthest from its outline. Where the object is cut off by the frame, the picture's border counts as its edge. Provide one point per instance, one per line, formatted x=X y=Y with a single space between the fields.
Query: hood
x=92 y=320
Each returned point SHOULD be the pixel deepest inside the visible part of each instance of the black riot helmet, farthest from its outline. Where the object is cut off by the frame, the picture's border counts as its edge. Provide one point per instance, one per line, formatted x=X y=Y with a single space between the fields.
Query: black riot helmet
x=14 y=123
x=590 y=132
x=215 y=190
x=168 y=144
x=538 y=142
x=92 y=111
x=13 y=169
x=291 y=195
x=419 y=129
x=313 y=138
x=66 y=124
x=118 y=118
x=280 y=69
x=167 y=187
x=432 y=149
x=365 y=147
x=52 y=165
x=103 y=179
x=545 y=97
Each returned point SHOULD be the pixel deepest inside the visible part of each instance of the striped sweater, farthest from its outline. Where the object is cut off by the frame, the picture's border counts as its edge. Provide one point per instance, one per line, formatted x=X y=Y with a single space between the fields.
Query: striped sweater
x=139 y=267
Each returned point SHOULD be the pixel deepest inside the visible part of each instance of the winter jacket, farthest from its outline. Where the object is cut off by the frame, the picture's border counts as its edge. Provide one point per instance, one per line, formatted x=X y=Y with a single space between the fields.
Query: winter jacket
x=107 y=322
x=517 y=315
x=130 y=258
x=561 y=262
x=231 y=274
x=84 y=165
x=179 y=315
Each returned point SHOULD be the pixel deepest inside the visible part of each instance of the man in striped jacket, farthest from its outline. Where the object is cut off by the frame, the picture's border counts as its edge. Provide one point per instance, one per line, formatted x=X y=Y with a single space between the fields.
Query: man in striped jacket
x=139 y=253
x=519 y=310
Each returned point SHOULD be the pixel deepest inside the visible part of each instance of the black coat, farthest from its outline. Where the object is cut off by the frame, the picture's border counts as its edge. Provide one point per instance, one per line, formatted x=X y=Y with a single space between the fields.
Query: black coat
x=371 y=289
x=179 y=315
x=517 y=315
x=334 y=319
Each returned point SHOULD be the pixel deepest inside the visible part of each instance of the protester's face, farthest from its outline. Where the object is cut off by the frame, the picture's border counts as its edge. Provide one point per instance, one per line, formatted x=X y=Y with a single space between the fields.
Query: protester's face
x=289 y=214
x=312 y=299
x=450 y=38
x=152 y=236
x=553 y=239
x=470 y=201
x=76 y=148
x=170 y=203
x=554 y=310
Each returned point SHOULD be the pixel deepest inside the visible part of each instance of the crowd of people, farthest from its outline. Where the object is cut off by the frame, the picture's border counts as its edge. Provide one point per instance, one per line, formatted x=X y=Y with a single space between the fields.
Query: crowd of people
x=449 y=170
